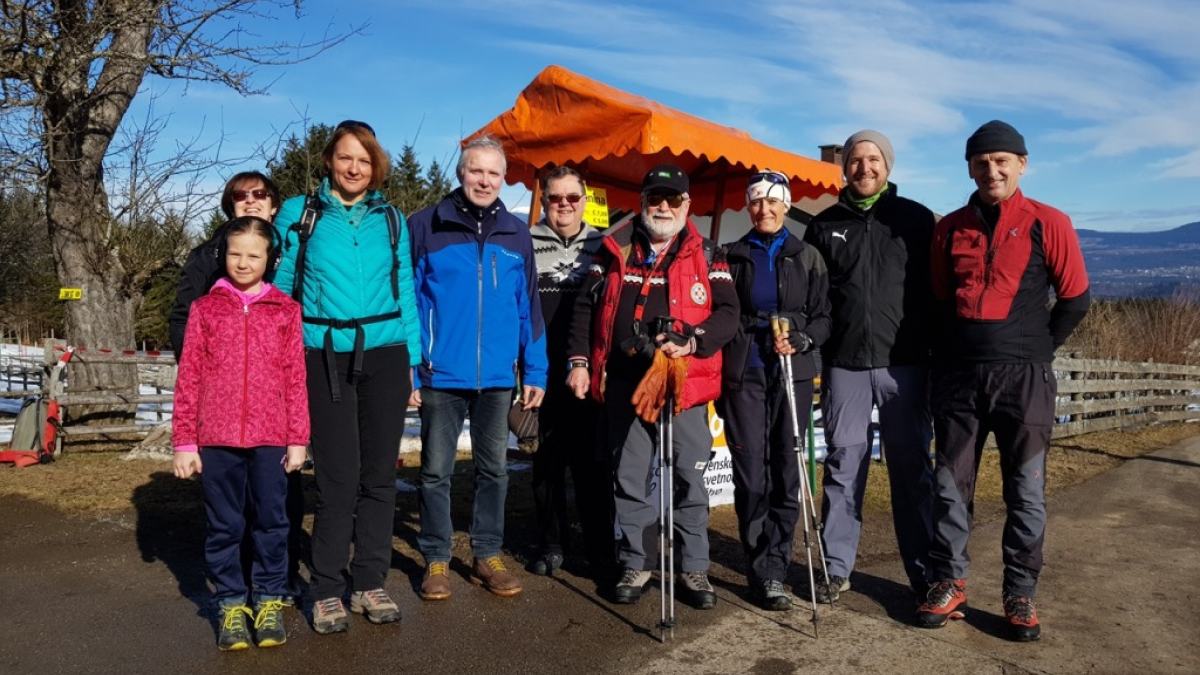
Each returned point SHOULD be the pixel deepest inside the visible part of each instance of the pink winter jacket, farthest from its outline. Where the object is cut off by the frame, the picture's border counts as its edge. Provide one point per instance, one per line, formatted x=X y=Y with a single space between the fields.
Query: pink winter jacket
x=241 y=380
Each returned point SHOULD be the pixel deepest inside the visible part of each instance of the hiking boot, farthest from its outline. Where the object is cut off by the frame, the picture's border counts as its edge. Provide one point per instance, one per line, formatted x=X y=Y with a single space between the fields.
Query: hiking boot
x=495 y=577
x=630 y=586
x=436 y=584
x=546 y=564
x=329 y=616
x=698 y=590
x=234 y=635
x=1022 y=617
x=829 y=590
x=376 y=605
x=946 y=600
x=269 y=630
x=771 y=596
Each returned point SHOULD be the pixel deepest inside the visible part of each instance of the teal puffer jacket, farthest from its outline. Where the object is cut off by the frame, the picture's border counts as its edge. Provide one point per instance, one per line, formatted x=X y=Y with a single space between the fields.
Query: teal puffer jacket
x=348 y=273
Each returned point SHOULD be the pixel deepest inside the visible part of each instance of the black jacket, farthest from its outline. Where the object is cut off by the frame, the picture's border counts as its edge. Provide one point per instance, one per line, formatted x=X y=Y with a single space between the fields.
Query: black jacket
x=201 y=270
x=803 y=287
x=879 y=281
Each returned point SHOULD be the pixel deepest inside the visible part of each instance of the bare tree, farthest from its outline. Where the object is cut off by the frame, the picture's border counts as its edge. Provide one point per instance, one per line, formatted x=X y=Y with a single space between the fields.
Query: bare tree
x=69 y=70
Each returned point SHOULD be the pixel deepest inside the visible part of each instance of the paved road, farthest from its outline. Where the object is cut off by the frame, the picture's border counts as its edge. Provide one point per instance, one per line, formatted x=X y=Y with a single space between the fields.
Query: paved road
x=1118 y=595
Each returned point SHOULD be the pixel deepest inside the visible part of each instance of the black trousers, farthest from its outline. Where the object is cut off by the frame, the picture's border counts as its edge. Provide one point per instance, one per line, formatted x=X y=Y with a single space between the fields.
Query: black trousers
x=568 y=432
x=766 y=470
x=1015 y=401
x=355 y=443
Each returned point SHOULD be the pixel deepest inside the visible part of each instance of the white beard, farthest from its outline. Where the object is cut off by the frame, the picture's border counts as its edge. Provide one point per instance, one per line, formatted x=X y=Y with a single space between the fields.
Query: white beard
x=662 y=231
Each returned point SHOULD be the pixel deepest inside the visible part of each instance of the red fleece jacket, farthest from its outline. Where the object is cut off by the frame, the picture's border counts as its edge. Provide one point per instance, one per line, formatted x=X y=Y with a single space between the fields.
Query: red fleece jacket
x=241 y=382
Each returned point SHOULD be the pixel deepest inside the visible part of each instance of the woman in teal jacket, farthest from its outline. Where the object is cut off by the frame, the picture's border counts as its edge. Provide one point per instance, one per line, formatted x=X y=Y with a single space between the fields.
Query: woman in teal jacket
x=346 y=259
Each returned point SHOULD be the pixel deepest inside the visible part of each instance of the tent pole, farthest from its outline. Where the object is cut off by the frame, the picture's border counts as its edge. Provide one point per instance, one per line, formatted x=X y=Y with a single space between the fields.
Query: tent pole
x=535 y=203
x=714 y=230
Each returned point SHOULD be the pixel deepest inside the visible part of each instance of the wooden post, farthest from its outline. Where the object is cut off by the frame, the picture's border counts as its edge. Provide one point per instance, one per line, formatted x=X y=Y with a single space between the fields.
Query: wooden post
x=1076 y=375
x=535 y=203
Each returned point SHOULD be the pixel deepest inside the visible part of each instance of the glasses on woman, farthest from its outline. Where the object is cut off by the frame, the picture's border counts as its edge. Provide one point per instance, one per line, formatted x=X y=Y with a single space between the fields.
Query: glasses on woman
x=245 y=195
x=572 y=198
x=769 y=176
x=354 y=124
x=673 y=201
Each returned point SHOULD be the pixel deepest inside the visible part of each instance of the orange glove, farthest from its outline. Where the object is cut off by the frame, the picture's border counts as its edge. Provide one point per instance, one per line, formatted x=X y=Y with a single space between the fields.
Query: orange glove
x=651 y=392
x=679 y=368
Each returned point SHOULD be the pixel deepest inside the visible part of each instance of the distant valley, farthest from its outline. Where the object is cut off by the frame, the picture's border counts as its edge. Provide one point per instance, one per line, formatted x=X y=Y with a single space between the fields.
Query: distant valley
x=1142 y=264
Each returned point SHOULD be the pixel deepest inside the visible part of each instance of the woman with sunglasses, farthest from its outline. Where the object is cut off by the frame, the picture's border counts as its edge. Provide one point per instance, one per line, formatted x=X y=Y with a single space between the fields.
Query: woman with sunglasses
x=248 y=193
x=776 y=275
x=352 y=273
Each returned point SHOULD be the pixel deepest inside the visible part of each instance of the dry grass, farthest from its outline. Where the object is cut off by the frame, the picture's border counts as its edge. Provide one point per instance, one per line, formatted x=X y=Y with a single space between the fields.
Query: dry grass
x=1163 y=330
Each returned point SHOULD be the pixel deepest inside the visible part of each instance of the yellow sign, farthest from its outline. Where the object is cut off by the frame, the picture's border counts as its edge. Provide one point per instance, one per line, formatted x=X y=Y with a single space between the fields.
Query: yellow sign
x=596 y=213
x=70 y=294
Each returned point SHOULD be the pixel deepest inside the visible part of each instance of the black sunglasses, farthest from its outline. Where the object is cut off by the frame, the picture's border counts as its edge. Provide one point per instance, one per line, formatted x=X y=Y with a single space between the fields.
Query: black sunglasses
x=243 y=195
x=572 y=198
x=674 y=201
x=769 y=176
x=354 y=124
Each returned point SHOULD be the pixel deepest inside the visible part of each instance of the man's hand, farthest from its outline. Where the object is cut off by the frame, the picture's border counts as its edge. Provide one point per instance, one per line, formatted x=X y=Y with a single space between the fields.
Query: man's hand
x=579 y=382
x=674 y=351
x=294 y=460
x=531 y=397
x=414 y=399
x=783 y=346
x=186 y=464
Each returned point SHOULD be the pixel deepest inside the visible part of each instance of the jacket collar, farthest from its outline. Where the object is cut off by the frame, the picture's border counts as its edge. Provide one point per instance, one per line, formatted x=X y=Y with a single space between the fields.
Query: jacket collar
x=889 y=195
x=268 y=295
x=448 y=211
x=620 y=239
x=792 y=245
x=542 y=231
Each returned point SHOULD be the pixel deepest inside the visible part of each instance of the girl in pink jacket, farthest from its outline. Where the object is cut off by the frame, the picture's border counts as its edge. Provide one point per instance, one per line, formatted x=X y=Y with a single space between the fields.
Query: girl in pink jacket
x=241 y=421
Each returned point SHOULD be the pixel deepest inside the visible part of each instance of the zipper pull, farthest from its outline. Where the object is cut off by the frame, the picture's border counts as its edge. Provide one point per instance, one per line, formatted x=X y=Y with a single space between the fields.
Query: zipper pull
x=245 y=309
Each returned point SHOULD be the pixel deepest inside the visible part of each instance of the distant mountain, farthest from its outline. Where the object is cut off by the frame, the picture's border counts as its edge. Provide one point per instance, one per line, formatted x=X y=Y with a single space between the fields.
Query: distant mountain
x=1125 y=264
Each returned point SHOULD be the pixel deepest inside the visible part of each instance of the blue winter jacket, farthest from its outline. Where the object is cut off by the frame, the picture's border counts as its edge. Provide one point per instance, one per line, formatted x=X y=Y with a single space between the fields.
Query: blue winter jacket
x=478 y=299
x=348 y=272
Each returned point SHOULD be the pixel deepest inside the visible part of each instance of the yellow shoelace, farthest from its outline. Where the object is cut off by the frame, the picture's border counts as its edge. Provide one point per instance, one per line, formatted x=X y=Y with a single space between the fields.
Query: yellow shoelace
x=269 y=614
x=235 y=618
x=436 y=568
x=495 y=564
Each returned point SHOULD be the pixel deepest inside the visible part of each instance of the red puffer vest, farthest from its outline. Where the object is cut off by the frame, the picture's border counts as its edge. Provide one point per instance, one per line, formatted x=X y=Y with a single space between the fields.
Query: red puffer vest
x=241 y=383
x=688 y=270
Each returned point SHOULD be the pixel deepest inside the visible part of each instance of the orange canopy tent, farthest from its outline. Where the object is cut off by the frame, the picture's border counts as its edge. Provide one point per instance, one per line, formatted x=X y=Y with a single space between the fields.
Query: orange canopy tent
x=613 y=138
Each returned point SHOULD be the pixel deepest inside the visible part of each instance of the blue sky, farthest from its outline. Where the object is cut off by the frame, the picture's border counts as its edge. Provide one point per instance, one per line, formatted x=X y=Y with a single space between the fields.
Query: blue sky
x=1106 y=92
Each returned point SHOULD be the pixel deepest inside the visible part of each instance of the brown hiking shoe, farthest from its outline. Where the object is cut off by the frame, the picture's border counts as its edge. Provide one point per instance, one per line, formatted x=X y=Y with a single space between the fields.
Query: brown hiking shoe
x=436 y=585
x=495 y=577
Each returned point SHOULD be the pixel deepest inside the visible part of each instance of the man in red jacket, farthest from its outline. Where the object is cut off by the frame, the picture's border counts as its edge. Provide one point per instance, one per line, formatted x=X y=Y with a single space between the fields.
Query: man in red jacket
x=993 y=262
x=657 y=265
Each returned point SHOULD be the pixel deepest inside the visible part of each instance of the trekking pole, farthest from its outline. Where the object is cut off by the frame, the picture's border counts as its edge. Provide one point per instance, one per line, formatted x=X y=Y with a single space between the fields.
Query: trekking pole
x=666 y=523
x=779 y=327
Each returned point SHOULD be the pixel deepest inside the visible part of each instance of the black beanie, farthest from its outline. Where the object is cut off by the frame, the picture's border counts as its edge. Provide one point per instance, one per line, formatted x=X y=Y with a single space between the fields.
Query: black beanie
x=995 y=136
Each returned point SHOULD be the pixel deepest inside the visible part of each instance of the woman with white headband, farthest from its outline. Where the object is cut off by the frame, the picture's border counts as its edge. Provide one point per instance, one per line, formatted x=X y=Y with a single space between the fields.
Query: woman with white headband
x=776 y=274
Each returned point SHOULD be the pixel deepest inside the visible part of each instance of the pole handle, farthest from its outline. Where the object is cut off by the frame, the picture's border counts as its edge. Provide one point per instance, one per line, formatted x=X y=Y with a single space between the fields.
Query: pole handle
x=779 y=326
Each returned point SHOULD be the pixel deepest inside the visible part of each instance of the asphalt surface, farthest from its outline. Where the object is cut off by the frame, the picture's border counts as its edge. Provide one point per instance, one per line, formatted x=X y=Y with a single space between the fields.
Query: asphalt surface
x=1118 y=595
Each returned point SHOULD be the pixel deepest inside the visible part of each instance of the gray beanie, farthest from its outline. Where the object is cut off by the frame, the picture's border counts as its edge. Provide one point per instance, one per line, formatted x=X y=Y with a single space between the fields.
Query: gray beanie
x=881 y=141
x=995 y=136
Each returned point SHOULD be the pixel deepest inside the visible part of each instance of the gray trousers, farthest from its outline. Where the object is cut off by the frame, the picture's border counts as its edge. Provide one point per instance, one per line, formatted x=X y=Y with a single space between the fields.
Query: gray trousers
x=633 y=444
x=901 y=394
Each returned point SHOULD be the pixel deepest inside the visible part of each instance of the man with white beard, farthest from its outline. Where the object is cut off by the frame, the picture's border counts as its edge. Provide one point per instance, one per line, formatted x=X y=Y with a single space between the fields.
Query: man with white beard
x=656 y=266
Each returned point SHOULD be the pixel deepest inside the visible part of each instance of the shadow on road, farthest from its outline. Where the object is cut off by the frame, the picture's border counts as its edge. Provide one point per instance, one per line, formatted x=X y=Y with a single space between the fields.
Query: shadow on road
x=170 y=529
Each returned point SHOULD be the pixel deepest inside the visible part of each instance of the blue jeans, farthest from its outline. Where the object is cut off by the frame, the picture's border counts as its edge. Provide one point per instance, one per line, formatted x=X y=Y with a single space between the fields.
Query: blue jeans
x=442 y=415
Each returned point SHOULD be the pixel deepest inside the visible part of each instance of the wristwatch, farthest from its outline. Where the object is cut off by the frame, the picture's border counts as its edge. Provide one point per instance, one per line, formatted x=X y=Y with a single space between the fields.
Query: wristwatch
x=578 y=363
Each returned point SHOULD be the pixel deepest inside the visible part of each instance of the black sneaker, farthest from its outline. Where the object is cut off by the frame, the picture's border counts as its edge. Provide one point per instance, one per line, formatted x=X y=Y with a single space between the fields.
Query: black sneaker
x=546 y=564
x=771 y=596
x=1022 y=618
x=234 y=634
x=269 y=630
x=696 y=587
x=828 y=591
x=630 y=587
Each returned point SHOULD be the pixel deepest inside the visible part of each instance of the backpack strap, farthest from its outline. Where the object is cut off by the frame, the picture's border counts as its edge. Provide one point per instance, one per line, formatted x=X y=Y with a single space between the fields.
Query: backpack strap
x=393 y=222
x=304 y=229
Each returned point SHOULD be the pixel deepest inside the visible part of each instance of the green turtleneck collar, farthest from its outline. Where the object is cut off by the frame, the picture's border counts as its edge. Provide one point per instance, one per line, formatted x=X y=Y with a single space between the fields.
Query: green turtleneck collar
x=865 y=203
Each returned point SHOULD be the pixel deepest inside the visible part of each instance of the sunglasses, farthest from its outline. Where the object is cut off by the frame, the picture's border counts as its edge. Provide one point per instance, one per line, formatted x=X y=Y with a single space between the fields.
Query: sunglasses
x=570 y=199
x=674 y=201
x=354 y=124
x=769 y=176
x=245 y=195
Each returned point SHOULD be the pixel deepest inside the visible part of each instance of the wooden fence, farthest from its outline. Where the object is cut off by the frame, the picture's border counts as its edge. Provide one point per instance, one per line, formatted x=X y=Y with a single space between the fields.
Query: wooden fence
x=1093 y=394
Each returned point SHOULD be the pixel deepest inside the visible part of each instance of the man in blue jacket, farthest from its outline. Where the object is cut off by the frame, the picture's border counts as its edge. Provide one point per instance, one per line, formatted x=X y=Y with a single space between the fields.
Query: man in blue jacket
x=481 y=325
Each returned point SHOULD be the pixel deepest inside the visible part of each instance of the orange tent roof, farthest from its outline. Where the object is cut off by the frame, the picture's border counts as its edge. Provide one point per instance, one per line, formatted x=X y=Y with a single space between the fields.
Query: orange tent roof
x=614 y=138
